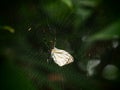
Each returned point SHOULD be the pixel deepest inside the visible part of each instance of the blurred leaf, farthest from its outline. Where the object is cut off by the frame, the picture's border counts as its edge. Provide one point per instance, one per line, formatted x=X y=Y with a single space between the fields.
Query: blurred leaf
x=110 y=72
x=115 y=44
x=8 y=28
x=91 y=65
x=90 y=3
x=68 y=2
x=57 y=11
x=83 y=10
x=111 y=32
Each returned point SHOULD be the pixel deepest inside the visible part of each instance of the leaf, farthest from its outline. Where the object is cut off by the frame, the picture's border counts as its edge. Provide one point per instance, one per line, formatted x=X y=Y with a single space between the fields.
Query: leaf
x=68 y=2
x=8 y=28
x=111 y=32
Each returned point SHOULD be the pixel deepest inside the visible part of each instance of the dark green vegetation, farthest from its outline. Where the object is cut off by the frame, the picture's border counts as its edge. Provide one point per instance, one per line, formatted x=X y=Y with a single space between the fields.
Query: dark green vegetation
x=88 y=29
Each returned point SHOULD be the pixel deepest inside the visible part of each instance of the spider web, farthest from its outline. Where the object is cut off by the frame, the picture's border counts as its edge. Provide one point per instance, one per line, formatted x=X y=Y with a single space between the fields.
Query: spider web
x=54 y=24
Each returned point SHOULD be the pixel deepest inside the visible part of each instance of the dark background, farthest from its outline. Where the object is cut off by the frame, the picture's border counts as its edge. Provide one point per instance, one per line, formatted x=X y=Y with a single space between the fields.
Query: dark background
x=88 y=29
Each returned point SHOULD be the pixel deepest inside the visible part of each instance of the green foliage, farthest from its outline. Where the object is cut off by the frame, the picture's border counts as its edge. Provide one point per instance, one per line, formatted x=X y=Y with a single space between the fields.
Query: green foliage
x=85 y=28
x=111 y=32
x=13 y=78
x=10 y=29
